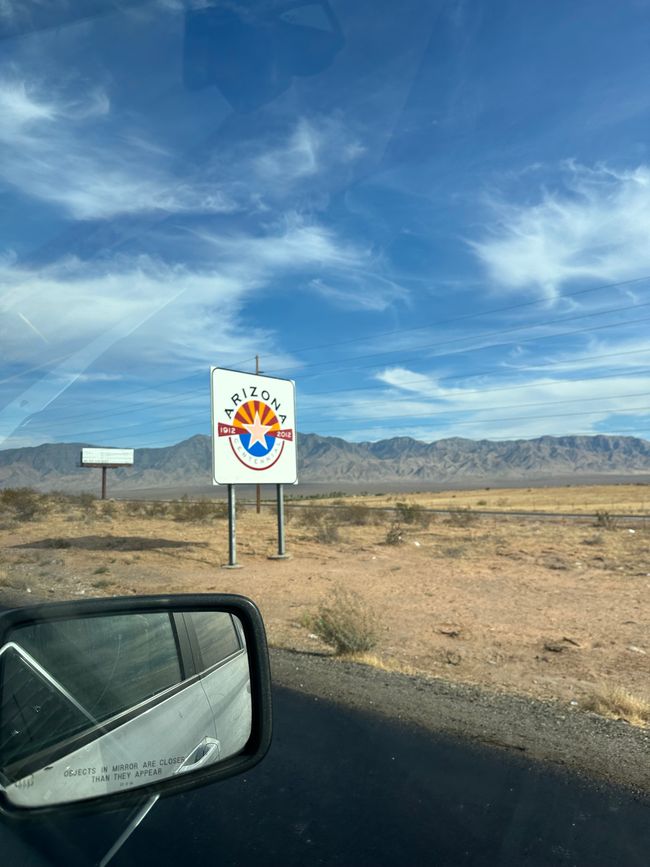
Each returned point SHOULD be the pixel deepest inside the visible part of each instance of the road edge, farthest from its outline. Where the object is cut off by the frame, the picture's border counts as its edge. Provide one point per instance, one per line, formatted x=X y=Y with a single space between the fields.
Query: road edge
x=603 y=750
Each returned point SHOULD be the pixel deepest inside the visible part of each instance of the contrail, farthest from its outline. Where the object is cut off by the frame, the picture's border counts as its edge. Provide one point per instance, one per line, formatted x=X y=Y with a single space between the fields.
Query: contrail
x=33 y=327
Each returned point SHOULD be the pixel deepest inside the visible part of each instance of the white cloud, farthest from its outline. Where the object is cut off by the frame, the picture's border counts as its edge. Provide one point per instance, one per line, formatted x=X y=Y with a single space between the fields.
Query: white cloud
x=141 y=313
x=351 y=278
x=596 y=355
x=58 y=148
x=420 y=405
x=540 y=405
x=313 y=146
x=297 y=159
x=71 y=303
x=293 y=245
x=20 y=109
x=595 y=228
x=360 y=291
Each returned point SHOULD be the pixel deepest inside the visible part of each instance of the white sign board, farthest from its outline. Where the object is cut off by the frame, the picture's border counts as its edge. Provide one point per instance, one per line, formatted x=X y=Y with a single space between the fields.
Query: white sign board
x=253 y=429
x=107 y=457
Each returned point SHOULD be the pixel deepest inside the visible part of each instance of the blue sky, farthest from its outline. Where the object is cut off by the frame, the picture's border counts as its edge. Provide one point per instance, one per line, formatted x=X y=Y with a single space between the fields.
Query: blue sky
x=435 y=217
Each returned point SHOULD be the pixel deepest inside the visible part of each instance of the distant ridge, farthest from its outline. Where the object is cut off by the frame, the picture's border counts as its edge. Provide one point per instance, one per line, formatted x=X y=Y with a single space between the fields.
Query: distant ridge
x=330 y=459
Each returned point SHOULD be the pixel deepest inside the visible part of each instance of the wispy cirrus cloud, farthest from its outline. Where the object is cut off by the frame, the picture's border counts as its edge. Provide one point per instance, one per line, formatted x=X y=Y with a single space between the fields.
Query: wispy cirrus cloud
x=594 y=226
x=59 y=148
x=411 y=406
x=290 y=243
x=313 y=145
x=349 y=275
x=360 y=290
x=143 y=313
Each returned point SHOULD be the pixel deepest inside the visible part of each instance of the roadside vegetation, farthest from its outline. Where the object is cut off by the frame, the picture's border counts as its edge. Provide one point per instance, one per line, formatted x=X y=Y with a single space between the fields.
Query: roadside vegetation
x=345 y=622
x=617 y=703
x=536 y=607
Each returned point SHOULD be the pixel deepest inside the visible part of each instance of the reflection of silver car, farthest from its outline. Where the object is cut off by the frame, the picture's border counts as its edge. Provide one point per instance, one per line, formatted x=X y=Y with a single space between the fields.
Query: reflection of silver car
x=97 y=704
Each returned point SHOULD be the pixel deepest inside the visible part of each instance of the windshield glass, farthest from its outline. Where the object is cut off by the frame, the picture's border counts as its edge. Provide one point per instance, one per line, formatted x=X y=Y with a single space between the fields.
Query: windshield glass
x=363 y=287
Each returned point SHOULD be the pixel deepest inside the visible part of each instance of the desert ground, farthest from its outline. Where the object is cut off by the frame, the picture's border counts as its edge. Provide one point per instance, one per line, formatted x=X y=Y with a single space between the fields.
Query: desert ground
x=553 y=609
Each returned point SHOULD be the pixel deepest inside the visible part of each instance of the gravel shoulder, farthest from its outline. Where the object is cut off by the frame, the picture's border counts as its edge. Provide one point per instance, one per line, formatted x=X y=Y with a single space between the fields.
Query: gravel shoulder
x=603 y=750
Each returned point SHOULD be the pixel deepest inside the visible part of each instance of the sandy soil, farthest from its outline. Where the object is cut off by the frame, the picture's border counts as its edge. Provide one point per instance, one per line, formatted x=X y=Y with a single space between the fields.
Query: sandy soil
x=551 y=610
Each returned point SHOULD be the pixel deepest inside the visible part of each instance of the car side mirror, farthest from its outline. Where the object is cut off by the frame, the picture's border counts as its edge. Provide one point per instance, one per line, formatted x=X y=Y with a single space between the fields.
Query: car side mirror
x=106 y=701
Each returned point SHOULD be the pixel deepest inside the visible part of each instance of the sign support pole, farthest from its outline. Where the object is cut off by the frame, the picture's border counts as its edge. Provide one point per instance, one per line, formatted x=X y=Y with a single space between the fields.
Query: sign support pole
x=282 y=553
x=232 y=531
x=104 y=460
x=258 y=490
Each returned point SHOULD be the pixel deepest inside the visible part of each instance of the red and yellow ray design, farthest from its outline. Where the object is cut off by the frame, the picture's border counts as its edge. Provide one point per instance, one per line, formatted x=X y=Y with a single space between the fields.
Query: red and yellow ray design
x=247 y=412
x=246 y=415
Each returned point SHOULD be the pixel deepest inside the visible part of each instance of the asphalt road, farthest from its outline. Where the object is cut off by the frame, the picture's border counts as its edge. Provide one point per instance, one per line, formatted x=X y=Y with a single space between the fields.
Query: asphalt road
x=346 y=787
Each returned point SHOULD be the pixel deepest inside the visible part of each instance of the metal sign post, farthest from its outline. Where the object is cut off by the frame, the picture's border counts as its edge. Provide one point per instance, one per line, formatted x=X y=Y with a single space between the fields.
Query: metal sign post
x=232 y=530
x=282 y=552
x=258 y=489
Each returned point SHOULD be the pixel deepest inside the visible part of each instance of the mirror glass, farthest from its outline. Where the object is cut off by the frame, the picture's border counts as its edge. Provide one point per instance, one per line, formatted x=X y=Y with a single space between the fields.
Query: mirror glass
x=109 y=702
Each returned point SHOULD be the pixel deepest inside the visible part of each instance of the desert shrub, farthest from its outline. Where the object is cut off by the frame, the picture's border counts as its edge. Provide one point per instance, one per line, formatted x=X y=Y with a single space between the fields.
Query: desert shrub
x=605 y=521
x=309 y=516
x=199 y=510
x=454 y=551
x=85 y=501
x=66 y=500
x=327 y=532
x=109 y=509
x=394 y=534
x=156 y=509
x=460 y=517
x=133 y=508
x=57 y=498
x=356 y=514
x=481 y=502
x=323 y=522
x=345 y=622
x=22 y=504
x=412 y=513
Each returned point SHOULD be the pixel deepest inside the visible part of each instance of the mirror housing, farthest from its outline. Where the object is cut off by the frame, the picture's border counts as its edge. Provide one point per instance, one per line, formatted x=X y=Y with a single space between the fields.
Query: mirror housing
x=129 y=677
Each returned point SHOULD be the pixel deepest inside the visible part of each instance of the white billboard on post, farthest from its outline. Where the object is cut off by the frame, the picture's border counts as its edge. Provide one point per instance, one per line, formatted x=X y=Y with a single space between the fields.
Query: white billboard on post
x=253 y=429
x=106 y=457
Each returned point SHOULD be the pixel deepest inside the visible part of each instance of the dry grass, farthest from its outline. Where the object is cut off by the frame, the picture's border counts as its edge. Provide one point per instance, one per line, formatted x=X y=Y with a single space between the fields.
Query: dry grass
x=374 y=661
x=578 y=499
x=617 y=703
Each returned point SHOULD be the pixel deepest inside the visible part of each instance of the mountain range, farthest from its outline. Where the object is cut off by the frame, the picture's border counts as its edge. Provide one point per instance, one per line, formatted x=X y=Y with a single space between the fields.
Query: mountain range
x=186 y=465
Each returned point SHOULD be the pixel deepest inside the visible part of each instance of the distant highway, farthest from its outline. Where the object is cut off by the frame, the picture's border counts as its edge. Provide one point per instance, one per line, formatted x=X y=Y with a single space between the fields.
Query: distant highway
x=501 y=513
x=498 y=513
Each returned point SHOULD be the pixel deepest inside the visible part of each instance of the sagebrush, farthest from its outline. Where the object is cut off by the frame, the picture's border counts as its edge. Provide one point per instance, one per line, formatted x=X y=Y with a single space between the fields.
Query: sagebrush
x=394 y=534
x=460 y=517
x=22 y=504
x=605 y=521
x=346 y=623
x=412 y=513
